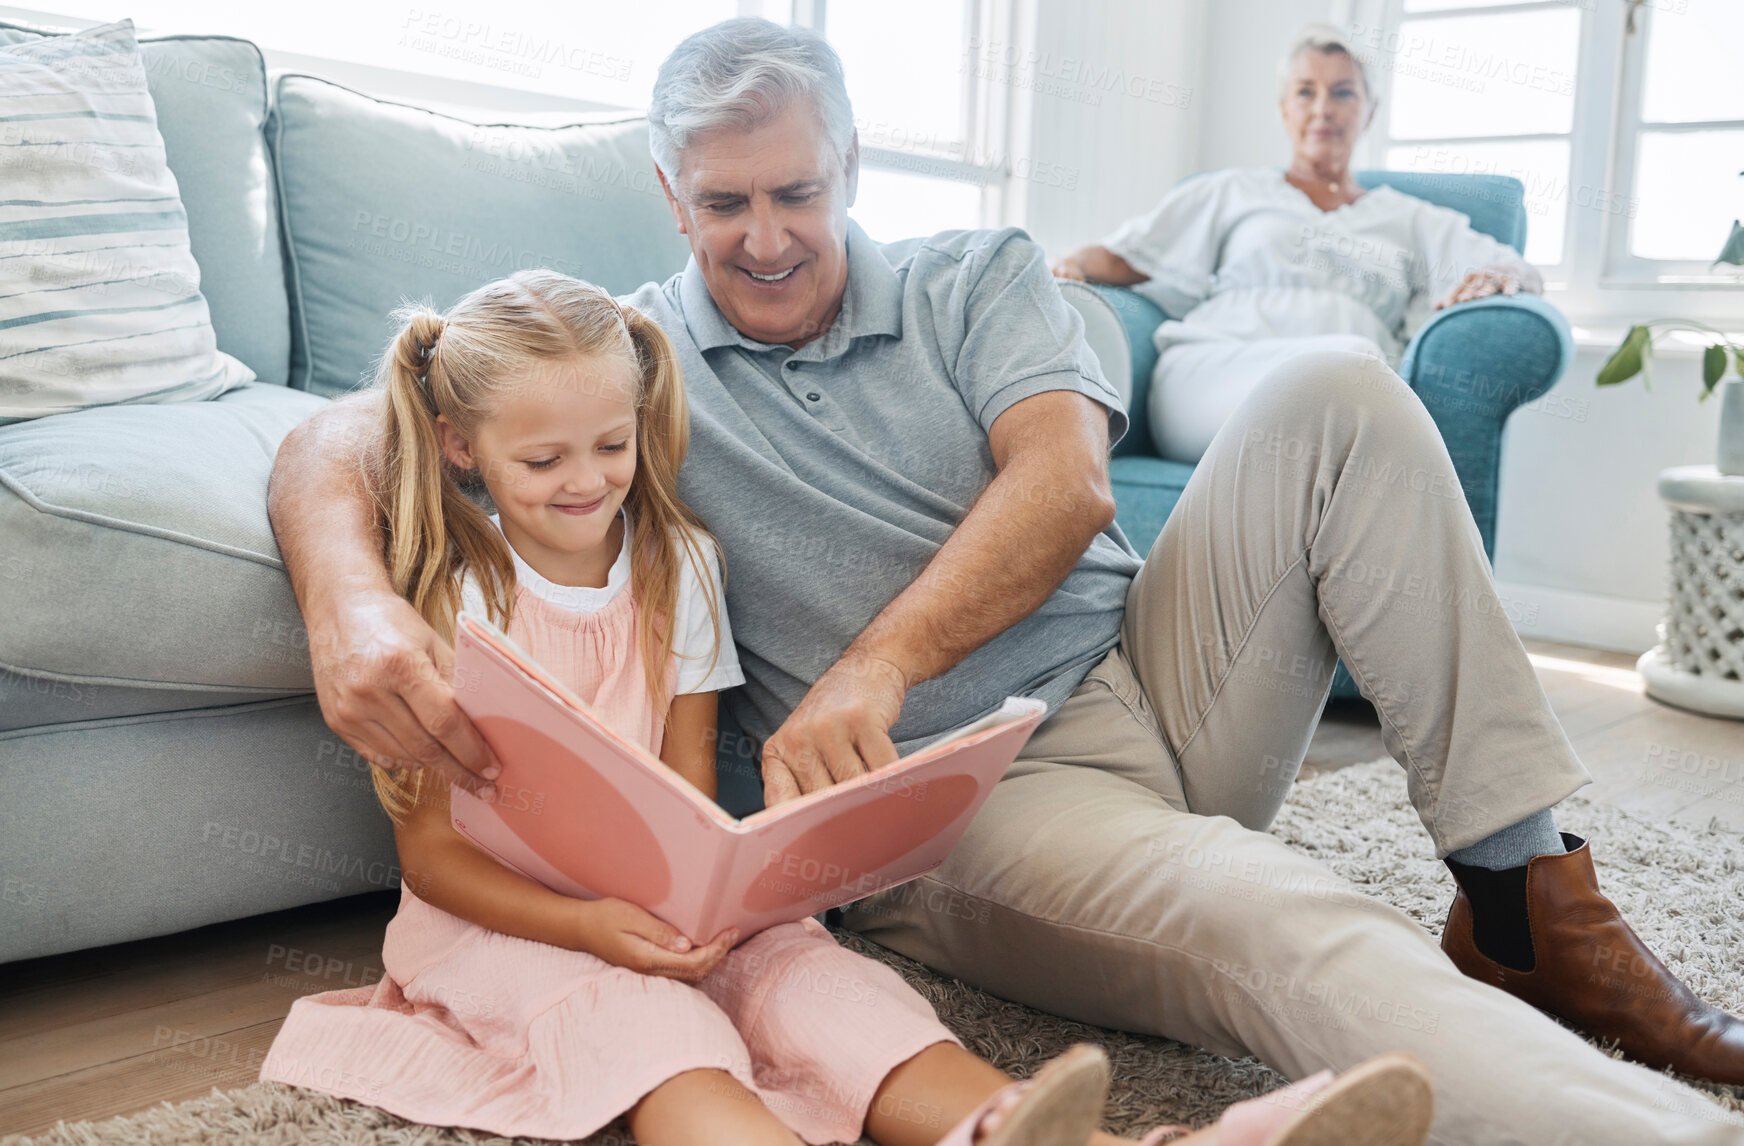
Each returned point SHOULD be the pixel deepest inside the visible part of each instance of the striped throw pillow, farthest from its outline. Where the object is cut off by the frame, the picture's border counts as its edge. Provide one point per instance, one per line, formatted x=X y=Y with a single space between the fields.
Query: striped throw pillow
x=100 y=297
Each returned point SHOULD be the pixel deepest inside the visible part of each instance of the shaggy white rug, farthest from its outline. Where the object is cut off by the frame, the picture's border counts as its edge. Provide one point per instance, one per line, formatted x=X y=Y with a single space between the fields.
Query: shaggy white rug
x=1681 y=887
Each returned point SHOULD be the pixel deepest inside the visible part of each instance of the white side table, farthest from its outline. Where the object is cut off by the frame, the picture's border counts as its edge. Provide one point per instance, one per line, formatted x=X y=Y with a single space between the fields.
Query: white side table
x=1699 y=661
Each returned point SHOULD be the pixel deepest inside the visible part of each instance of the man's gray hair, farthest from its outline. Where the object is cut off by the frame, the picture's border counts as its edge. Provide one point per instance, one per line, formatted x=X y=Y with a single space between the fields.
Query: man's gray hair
x=740 y=74
x=1321 y=38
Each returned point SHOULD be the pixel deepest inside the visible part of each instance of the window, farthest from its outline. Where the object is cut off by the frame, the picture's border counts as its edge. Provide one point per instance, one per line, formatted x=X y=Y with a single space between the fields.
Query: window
x=1488 y=87
x=603 y=54
x=1623 y=118
x=929 y=121
x=1681 y=137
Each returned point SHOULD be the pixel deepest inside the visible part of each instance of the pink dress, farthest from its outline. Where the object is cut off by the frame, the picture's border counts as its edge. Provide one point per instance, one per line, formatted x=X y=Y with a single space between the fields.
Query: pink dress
x=470 y=1027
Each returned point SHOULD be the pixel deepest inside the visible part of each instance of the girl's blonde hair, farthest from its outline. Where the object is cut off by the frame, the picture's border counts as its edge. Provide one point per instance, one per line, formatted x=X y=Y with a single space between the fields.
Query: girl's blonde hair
x=461 y=364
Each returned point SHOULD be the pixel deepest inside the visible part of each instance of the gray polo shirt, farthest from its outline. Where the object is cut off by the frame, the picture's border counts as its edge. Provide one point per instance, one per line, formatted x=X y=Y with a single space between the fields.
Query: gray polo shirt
x=833 y=473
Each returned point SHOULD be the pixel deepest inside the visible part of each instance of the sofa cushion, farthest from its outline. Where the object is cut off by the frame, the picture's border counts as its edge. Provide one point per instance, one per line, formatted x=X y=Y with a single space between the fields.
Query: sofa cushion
x=102 y=304
x=210 y=93
x=384 y=202
x=140 y=572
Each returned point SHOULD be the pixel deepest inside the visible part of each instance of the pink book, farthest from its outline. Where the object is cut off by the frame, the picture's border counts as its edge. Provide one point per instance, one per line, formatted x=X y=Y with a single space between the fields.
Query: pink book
x=590 y=814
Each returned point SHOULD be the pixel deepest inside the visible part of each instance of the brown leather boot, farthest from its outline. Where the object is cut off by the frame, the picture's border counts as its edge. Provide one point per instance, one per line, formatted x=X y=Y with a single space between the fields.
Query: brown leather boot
x=1590 y=969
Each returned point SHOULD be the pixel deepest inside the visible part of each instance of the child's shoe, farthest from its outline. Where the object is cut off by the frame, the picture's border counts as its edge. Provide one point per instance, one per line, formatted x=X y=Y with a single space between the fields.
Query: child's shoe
x=1061 y=1104
x=1386 y=1101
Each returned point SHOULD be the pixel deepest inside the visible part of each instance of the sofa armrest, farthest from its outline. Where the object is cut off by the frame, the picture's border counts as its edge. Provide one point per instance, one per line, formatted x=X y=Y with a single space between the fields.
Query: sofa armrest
x=1139 y=317
x=1104 y=334
x=1473 y=365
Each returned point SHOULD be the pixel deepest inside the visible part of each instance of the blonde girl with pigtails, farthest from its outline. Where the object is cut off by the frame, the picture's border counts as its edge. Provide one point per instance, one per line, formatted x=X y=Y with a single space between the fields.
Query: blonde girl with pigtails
x=505 y=1006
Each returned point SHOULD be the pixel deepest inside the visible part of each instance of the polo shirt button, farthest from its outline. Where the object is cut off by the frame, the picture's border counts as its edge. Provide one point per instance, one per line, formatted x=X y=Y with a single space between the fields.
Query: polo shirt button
x=791 y=365
x=813 y=396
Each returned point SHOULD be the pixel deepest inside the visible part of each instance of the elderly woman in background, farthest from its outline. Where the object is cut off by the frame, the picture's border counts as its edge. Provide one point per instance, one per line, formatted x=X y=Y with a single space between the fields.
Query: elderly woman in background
x=1261 y=265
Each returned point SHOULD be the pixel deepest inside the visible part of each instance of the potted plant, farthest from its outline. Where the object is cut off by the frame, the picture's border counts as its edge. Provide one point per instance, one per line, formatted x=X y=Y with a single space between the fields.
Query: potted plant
x=1635 y=356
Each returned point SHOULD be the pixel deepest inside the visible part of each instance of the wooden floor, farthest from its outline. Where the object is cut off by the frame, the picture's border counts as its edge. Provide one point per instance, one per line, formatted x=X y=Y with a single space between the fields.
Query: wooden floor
x=118 y=1029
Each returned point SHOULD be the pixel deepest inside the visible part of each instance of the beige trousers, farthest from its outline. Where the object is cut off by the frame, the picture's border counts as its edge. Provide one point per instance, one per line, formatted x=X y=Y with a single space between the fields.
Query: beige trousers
x=1120 y=873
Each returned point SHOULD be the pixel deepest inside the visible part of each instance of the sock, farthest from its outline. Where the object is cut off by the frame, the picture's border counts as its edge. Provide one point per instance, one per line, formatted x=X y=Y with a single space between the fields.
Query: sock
x=1536 y=835
x=1493 y=874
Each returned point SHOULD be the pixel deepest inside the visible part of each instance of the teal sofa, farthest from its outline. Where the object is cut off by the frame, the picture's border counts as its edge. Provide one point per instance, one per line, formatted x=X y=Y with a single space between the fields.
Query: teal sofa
x=163 y=760
x=1472 y=365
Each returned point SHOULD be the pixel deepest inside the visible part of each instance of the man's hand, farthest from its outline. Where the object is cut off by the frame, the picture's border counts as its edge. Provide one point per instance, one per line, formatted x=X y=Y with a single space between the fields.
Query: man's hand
x=383 y=678
x=840 y=730
x=625 y=936
x=1480 y=284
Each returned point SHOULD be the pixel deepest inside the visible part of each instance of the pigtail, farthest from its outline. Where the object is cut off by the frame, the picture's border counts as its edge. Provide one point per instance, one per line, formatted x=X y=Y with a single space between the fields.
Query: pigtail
x=662 y=439
x=435 y=534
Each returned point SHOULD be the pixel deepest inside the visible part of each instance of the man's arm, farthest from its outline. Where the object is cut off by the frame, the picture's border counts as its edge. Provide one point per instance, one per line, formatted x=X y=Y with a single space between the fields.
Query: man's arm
x=382 y=675
x=1019 y=540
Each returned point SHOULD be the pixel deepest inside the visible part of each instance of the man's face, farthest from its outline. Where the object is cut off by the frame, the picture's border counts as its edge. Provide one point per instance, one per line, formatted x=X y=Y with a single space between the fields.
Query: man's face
x=766 y=213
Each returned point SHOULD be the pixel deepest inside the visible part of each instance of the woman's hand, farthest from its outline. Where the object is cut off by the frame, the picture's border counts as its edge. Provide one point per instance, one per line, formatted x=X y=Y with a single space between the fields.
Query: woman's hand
x=1480 y=284
x=1070 y=267
x=1096 y=264
x=626 y=936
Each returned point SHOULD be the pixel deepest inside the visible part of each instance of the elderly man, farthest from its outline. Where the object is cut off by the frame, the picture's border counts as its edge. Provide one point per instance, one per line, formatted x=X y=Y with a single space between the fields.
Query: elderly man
x=902 y=449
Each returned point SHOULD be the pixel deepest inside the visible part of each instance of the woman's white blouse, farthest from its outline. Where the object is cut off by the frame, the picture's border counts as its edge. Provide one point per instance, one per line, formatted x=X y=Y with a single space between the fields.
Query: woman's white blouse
x=1244 y=254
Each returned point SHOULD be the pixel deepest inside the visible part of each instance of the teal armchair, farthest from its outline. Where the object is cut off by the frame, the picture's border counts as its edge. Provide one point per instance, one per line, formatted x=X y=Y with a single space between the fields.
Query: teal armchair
x=1472 y=365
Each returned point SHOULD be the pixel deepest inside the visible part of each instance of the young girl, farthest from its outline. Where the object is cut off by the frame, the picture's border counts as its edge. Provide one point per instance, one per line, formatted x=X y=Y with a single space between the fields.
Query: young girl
x=510 y=1008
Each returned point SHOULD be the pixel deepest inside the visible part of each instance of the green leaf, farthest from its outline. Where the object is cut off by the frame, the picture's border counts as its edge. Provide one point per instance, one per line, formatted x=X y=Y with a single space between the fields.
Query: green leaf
x=1733 y=251
x=1713 y=366
x=1629 y=359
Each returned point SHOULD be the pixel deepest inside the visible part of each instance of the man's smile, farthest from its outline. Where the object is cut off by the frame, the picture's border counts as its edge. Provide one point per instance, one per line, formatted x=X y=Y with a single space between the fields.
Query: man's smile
x=775 y=277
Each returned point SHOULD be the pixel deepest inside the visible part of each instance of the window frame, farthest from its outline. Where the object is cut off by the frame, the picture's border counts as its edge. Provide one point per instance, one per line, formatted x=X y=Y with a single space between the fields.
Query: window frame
x=1394 y=17
x=986 y=158
x=1597 y=282
x=1622 y=266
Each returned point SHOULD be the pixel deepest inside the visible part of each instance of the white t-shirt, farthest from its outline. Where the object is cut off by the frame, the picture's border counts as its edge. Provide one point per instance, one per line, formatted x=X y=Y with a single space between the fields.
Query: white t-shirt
x=1244 y=254
x=693 y=633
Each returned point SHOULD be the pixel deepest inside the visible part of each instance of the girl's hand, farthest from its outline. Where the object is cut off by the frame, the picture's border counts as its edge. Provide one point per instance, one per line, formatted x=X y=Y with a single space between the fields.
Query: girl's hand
x=626 y=936
x=1479 y=284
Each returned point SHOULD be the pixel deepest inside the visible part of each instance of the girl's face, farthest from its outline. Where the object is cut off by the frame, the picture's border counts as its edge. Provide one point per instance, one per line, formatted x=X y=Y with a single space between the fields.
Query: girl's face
x=557 y=452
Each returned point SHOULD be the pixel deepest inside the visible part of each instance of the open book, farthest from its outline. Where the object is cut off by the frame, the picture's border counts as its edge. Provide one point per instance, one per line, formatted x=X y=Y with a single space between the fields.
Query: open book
x=588 y=813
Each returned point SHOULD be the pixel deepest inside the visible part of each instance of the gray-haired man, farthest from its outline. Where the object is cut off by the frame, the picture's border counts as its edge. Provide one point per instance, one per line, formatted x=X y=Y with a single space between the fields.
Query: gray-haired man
x=902 y=449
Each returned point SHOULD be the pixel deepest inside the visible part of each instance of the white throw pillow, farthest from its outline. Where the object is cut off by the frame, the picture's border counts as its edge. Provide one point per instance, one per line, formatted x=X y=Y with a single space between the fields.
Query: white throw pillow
x=100 y=297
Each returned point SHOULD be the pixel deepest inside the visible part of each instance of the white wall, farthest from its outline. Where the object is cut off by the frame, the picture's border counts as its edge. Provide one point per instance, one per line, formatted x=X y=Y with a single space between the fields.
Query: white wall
x=1113 y=97
x=1581 y=535
x=1244 y=39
